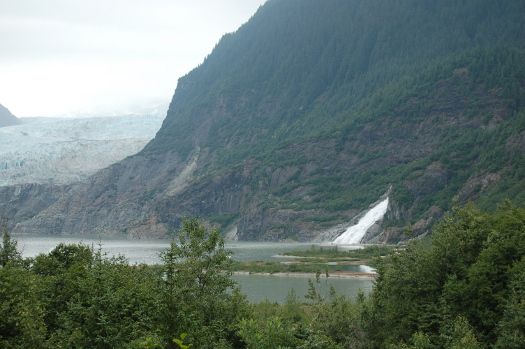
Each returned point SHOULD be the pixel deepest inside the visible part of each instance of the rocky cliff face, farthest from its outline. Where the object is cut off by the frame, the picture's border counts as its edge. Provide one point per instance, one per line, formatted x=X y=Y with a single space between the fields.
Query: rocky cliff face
x=313 y=110
x=6 y=118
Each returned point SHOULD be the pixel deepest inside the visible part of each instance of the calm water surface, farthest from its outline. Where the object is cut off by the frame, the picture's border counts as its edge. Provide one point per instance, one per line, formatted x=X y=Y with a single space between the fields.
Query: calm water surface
x=276 y=288
x=256 y=287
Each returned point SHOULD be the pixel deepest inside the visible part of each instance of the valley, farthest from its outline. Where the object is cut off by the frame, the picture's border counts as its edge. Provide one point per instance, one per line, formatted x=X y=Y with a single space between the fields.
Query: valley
x=331 y=174
x=295 y=138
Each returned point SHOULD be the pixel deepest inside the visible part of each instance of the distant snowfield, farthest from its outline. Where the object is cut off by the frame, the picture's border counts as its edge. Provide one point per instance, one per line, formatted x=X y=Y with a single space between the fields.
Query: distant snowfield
x=61 y=151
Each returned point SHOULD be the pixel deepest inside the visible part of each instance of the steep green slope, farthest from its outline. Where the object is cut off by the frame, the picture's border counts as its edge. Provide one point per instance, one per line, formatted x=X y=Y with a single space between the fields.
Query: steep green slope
x=314 y=109
x=310 y=60
x=332 y=102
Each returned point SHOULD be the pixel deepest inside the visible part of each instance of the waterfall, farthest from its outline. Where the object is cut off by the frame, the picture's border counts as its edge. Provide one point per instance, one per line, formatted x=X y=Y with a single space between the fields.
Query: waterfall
x=355 y=233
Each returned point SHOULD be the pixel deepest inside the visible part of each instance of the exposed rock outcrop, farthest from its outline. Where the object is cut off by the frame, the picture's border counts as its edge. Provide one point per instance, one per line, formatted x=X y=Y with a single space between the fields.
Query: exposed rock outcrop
x=6 y=118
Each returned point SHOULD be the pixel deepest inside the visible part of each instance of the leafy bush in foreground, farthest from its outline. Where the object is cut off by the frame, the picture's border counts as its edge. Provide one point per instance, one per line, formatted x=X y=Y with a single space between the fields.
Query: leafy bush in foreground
x=462 y=289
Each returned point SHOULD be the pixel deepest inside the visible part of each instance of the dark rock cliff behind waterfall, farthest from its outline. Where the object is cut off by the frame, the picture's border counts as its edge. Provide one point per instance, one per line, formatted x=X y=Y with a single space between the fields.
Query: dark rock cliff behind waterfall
x=312 y=110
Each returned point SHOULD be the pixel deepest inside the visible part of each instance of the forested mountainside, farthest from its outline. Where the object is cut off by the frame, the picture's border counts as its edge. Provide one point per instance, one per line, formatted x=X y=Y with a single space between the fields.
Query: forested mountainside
x=313 y=110
x=6 y=118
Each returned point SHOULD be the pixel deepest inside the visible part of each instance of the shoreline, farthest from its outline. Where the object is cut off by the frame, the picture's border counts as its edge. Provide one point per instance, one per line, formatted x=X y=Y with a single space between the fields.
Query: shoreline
x=335 y=275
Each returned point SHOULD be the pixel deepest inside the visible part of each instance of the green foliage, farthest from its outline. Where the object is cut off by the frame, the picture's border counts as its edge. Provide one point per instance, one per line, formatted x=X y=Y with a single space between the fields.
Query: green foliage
x=267 y=334
x=332 y=323
x=341 y=320
x=62 y=258
x=461 y=335
x=455 y=289
x=277 y=267
x=148 y=342
x=199 y=296
x=76 y=297
x=21 y=314
x=94 y=302
x=464 y=288
x=62 y=272
x=180 y=341
x=9 y=254
x=418 y=340
x=511 y=328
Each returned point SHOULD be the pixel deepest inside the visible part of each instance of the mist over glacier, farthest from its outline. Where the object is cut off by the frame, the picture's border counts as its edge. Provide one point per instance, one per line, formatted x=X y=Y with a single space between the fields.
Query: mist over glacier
x=61 y=151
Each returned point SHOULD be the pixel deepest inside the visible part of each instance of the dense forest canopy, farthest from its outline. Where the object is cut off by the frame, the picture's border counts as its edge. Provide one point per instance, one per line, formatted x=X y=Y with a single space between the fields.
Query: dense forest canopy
x=462 y=288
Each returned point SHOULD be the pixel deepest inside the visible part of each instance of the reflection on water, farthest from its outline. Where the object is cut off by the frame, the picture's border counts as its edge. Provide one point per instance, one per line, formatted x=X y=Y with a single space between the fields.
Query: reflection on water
x=276 y=288
x=256 y=287
x=147 y=251
x=136 y=251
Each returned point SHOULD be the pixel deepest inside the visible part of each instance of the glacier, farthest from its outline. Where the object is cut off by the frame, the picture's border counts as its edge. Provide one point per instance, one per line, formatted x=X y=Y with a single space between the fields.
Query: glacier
x=62 y=151
x=355 y=233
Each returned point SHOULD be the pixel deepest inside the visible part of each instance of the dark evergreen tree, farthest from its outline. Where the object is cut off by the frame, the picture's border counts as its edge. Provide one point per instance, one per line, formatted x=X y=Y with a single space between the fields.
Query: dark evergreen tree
x=9 y=253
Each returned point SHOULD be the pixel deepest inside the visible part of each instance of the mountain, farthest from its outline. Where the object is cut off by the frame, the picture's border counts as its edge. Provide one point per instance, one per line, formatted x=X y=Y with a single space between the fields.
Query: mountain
x=6 y=118
x=62 y=151
x=314 y=110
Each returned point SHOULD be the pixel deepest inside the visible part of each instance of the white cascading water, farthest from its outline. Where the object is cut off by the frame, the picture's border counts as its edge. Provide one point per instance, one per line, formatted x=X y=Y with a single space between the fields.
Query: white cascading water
x=355 y=233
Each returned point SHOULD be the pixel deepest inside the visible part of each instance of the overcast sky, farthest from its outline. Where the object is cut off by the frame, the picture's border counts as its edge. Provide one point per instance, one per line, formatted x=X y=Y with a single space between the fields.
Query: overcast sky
x=60 y=57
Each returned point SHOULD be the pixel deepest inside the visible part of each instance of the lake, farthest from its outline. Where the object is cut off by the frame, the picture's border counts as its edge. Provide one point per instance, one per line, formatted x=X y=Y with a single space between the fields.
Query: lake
x=256 y=287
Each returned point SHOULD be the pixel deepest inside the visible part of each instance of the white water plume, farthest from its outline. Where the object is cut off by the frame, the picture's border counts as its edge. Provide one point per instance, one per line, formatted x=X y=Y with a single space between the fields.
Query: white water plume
x=355 y=233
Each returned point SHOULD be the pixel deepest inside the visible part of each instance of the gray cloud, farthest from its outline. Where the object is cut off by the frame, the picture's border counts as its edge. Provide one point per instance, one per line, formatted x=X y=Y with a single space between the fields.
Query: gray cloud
x=62 y=56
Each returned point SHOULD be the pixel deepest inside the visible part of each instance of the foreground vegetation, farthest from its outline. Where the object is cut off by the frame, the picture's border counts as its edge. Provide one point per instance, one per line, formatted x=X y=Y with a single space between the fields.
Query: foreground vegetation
x=465 y=288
